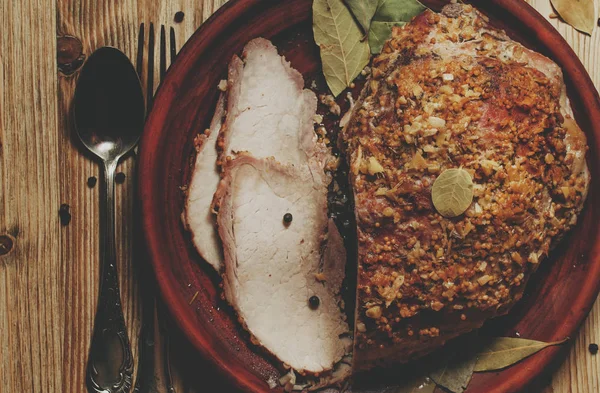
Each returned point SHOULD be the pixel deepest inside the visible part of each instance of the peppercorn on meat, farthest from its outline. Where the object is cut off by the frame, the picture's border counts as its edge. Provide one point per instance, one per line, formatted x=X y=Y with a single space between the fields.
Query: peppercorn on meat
x=449 y=91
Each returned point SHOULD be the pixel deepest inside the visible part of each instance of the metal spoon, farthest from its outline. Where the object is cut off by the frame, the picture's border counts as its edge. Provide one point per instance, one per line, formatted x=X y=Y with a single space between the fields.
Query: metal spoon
x=109 y=119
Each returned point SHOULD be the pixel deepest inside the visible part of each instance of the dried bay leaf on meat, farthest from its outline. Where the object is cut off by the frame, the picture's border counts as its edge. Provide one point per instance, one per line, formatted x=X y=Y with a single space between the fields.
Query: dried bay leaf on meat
x=578 y=13
x=452 y=192
x=502 y=352
x=380 y=32
x=344 y=53
x=363 y=11
x=391 y=13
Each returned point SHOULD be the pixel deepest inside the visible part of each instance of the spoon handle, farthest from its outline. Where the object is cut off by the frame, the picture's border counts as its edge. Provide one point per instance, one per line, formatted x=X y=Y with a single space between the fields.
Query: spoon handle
x=110 y=362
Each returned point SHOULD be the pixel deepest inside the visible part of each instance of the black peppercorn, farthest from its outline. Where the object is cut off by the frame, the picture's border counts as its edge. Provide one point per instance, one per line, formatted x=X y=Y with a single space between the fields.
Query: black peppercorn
x=314 y=302
x=64 y=214
x=179 y=16
x=593 y=348
x=120 y=177
x=91 y=182
x=287 y=218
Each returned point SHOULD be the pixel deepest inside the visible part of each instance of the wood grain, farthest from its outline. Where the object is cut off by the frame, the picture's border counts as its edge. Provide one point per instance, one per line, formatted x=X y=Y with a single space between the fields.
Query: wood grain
x=48 y=281
x=32 y=274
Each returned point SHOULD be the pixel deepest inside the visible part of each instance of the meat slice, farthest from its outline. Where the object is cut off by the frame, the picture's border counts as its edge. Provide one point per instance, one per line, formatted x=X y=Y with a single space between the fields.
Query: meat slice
x=449 y=91
x=269 y=113
x=273 y=268
x=198 y=213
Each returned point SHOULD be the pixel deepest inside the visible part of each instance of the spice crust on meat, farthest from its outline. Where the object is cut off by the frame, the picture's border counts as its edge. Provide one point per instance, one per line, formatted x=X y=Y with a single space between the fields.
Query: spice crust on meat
x=448 y=91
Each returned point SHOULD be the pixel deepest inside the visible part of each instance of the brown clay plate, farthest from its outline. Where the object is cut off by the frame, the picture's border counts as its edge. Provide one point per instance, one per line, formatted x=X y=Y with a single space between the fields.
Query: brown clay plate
x=557 y=299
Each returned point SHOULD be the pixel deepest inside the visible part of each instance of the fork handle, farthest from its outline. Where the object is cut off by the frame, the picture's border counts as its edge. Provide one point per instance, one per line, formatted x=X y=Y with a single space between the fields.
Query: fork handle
x=110 y=362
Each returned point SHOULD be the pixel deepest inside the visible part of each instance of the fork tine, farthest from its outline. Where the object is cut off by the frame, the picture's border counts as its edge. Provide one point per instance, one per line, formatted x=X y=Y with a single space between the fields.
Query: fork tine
x=140 y=52
x=150 y=85
x=173 y=46
x=163 y=52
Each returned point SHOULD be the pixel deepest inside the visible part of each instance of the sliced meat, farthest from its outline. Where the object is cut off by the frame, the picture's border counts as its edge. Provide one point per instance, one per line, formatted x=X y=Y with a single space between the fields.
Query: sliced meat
x=269 y=113
x=198 y=213
x=449 y=91
x=273 y=268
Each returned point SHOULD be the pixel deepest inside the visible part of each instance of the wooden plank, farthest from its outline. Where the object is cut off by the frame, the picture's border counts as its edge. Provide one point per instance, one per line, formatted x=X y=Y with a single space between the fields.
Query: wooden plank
x=31 y=279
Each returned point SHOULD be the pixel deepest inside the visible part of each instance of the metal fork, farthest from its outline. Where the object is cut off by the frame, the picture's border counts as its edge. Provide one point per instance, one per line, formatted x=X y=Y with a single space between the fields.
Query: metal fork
x=153 y=312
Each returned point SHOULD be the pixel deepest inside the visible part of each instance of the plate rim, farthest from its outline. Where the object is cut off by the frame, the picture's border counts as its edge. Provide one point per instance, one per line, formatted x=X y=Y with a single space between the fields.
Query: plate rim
x=147 y=167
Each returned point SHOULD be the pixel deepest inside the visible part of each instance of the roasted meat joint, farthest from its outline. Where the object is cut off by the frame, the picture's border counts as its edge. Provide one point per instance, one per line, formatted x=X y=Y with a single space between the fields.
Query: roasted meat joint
x=466 y=167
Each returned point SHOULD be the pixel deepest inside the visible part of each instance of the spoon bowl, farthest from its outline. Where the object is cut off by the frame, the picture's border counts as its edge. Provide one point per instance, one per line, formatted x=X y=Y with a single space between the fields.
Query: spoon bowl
x=109 y=118
x=109 y=104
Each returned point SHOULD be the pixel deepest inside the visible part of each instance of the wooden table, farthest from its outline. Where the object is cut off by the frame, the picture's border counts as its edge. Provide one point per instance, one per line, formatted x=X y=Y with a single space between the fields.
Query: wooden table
x=49 y=277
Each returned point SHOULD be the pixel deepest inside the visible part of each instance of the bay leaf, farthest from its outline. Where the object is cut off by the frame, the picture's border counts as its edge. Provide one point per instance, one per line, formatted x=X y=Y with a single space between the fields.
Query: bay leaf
x=456 y=371
x=363 y=11
x=343 y=52
x=392 y=12
x=379 y=34
x=578 y=13
x=398 y=10
x=452 y=192
x=502 y=352
x=419 y=383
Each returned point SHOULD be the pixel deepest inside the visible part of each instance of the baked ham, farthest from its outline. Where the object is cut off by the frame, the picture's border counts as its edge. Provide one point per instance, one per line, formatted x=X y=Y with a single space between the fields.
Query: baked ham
x=273 y=267
x=450 y=91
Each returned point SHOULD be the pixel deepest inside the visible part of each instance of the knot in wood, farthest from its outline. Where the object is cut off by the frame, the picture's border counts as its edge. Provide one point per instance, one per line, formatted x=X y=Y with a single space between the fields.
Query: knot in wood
x=69 y=52
x=6 y=244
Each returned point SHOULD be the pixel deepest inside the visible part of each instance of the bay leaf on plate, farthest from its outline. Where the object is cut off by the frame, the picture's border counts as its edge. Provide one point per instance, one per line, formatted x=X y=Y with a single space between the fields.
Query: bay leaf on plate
x=379 y=33
x=456 y=372
x=502 y=352
x=578 y=13
x=417 y=384
x=344 y=53
x=363 y=11
x=452 y=366
x=393 y=12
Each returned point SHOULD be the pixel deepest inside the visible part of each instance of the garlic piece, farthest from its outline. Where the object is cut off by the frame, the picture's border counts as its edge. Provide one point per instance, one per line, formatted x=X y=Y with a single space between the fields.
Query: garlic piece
x=374 y=166
x=436 y=122
x=374 y=312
